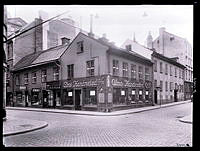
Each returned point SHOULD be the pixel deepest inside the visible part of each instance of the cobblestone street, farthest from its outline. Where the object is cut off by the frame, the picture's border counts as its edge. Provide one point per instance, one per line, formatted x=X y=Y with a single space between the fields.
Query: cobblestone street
x=159 y=127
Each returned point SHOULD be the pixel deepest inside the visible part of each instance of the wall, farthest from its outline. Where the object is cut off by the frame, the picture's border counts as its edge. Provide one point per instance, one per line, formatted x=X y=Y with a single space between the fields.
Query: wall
x=92 y=50
x=163 y=77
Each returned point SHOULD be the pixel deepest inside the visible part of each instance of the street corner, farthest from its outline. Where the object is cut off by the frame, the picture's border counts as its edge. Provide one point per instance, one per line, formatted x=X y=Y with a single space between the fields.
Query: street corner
x=186 y=119
x=14 y=126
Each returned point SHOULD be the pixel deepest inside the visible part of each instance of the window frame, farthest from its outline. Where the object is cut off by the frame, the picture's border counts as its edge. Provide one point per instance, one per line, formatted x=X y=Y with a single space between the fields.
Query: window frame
x=70 y=71
x=90 y=69
x=125 y=69
x=115 y=67
x=55 y=74
x=133 y=71
x=34 y=78
x=26 y=78
x=80 y=47
x=43 y=76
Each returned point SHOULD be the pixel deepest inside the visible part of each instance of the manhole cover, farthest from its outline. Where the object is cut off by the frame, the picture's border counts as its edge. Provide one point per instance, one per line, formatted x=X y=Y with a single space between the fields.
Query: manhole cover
x=26 y=125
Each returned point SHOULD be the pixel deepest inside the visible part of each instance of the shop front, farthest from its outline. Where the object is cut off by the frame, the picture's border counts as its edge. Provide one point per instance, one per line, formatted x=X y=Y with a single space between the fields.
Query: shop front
x=129 y=93
x=106 y=93
x=84 y=93
x=52 y=95
x=35 y=97
x=19 y=98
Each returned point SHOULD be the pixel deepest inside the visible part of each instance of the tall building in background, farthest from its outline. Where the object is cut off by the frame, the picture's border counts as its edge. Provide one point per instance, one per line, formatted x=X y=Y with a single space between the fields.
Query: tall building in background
x=177 y=48
x=38 y=39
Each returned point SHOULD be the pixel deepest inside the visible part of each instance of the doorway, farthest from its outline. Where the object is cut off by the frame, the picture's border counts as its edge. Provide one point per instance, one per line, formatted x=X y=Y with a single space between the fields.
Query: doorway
x=78 y=99
x=155 y=96
x=175 y=95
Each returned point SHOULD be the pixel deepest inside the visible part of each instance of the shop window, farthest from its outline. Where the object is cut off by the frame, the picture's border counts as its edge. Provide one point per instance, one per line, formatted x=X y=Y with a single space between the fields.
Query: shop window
x=133 y=71
x=34 y=77
x=140 y=95
x=44 y=75
x=90 y=98
x=80 y=47
x=17 y=80
x=147 y=95
x=140 y=73
x=161 y=69
x=125 y=69
x=133 y=96
x=90 y=68
x=55 y=73
x=26 y=78
x=70 y=71
x=119 y=96
x=115 y=68
x=147 y=74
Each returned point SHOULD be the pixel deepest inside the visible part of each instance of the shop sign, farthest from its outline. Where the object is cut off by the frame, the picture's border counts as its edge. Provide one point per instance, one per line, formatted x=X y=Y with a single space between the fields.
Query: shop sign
x=125 y=83
x=84 y=83
x=35 y=90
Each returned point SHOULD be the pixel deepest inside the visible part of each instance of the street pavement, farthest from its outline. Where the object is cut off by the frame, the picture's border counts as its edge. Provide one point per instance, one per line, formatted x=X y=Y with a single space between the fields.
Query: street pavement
x=159 y=127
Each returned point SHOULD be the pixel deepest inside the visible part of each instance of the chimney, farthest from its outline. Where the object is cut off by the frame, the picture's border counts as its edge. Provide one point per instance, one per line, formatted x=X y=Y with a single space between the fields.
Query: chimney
x=65 y=40
x=103 y=38
x=161 y=40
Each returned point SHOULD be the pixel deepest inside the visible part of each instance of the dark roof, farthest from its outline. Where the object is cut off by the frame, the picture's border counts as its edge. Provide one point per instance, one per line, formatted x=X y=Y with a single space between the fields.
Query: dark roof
x=172 y=61
x=26 y=60
x=40 y=57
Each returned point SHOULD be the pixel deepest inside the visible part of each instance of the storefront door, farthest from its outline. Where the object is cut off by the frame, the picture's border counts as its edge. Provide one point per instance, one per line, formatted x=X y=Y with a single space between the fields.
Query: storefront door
x=77 y=99
x=175 y=95
x=155 y=96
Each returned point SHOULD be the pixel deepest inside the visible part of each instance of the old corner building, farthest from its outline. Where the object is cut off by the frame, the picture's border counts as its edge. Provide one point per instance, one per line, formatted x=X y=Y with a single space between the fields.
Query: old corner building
x=87 y=74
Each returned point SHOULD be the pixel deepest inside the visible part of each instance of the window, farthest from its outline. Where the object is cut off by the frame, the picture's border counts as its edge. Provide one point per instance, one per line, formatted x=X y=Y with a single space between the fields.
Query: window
x=26 y=78
x=171 y=86
x=133 y=71
x=170 y=70
x=44 y=75
x=161 y=86
x=147 y=74
x=140 y=73
x=90 y=68
x=55 y=73
x=166 y=69
x=128 y=47
x=80 y=47
x=161 y=70
x=155 y=83
x=34 y=77
x=176 y=86
x=70 y=71
x=90 y=96
x=7 y=79
x=166 y=86
x=155 y=65
x=180 y=73
x=17 y=80
x=175 y=72
x=115 y=67
x=125 y=69
x=171 y=38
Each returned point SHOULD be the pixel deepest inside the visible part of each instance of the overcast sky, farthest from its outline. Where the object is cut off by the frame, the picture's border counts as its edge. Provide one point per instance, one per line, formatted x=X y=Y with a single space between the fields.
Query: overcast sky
x=119 y=22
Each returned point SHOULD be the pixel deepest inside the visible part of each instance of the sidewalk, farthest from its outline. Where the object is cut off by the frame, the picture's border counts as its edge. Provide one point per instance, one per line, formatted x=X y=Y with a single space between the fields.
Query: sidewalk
x=92 y=113
x=13 y=126
x=187 y=119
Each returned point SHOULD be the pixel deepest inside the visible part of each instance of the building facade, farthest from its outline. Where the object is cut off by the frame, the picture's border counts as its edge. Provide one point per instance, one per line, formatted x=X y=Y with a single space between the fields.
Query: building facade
x=93 y=75
x=168 y=74
x=175 y=47
x=168 y=80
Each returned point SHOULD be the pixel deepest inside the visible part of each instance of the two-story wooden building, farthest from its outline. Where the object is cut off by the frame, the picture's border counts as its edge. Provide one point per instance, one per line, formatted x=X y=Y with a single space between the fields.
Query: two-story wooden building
x=92 y=74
